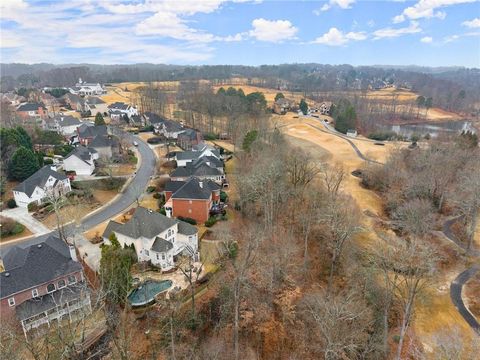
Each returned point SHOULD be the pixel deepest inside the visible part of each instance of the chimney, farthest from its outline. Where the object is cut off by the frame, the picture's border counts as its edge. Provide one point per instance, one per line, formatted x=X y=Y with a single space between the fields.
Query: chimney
x=73 y=252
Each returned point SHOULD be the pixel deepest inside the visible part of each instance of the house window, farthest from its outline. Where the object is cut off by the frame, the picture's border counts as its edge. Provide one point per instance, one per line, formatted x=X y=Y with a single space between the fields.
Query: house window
x=163 y=256
x=147 y=253
x=189 y=211
x=158 y=257
x=34 y=293
x=72 y=280
x=11 y=301
x=189 y=201
x=50 y=288
x=169 y=233
x=61 y=284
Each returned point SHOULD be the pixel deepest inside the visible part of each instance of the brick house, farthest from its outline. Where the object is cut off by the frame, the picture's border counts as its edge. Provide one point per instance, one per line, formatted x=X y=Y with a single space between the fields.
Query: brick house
x=189 y=138
x=282 y=105
x=192 y=198
x=31 y=110
x=42 y=283
x=86 y=133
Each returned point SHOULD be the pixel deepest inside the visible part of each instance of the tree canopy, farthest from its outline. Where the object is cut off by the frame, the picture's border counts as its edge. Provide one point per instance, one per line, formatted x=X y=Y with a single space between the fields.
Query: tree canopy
x=279 y=96
x=99 y=119
x=303 y=106
x=23 y=164
x=344 y=115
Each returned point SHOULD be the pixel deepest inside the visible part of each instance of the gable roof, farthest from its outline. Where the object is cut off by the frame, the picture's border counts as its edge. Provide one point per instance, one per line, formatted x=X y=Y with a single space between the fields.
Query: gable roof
x=144 y=223
x=192 y=190
x=118 y=106
x=161 y=245
x=36 y=264
x=200 y=170
x=208 y=160
x=30 y=107
x=153 y=118
x=38 y=179
x=172 y=126
x=67 y=120
x=82 y=153
x=88 y=131
x=93 y=100
x=187 y=155
x=174 y=185
x=188 y=134
x=102 y=141
x=186 y=228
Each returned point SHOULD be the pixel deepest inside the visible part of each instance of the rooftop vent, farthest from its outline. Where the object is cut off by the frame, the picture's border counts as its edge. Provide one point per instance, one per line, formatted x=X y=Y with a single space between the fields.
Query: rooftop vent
x=7 y=274
x=39 y=246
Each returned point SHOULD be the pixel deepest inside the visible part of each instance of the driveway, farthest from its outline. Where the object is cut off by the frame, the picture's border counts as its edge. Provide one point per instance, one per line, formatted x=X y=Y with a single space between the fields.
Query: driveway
x=22 y=216
x=122 y=202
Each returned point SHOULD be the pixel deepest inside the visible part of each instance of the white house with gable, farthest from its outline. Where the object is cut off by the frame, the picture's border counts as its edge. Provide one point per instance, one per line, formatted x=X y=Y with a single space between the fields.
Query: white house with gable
x=157 y=238
x=81 y=160
x=39 y=185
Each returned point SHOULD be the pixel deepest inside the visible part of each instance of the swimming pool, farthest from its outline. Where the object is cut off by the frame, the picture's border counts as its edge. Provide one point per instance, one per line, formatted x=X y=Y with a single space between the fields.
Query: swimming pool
x=145 y=293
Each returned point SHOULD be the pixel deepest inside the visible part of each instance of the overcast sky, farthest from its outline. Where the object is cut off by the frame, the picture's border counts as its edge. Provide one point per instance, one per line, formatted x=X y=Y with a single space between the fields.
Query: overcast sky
x=358 y=32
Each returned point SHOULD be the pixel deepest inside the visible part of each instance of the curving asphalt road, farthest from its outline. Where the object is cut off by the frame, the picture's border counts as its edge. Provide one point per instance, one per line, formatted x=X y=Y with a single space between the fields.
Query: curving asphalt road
x=122 y=202
x=457 y=285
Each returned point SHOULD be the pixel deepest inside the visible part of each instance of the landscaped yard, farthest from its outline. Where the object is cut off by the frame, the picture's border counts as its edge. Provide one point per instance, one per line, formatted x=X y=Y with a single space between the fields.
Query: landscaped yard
x=11 y=230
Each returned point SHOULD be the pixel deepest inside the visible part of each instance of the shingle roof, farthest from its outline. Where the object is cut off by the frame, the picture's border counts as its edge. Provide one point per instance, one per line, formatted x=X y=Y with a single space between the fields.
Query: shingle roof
x=153 y=118
x=35 y=265
x=172 y=126
x=200 y=170
x=192 y=190
x=102 y=141
x=87 y=131
x=144 y=222
x=95 y=100
x=174 y=185
x=38 y=179
x=186 y=228
x=161 y=245
x=30 y=107
x=67 y=120
x=119 y=106
x=46 y=302
x=209 y=160
x=82 y=153
x=189 y=134
x=187 y=155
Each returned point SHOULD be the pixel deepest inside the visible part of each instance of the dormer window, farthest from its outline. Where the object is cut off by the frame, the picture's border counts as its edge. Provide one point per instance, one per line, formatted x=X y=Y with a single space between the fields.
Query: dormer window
x=11 y=301
x=50 y=288
x=61 y=284
x=34 y=293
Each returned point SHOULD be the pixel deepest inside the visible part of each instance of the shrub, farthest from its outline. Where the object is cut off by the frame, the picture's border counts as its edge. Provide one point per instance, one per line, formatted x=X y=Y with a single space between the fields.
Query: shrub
x=32 y=207
x=47 y=161
x=155 y=140
x=210 y=136
x=382 y=135
x=151 y=189
x=11 y=203
x=223 y=196
x=224 y=217
x=10 y=227
x=188 y=220
x=211 y=221
x=157 y=195
x=162 y=211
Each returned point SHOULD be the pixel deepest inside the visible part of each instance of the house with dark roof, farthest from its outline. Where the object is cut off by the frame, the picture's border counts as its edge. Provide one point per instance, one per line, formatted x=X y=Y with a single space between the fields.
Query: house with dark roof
x=198 y=151
x=282 y=105
x=45 y=181
x=200 y=170
x=32 y=110
x=75 y=102
x=156 y=237
x=41 y=283
x=192 y=198
x=169 y=128
x=151 y=118
x=122 y=108
x=63 y=124
x=81 y=160
x=87 y=132
x=189 y=138
x=105 y=145
x=96 y=105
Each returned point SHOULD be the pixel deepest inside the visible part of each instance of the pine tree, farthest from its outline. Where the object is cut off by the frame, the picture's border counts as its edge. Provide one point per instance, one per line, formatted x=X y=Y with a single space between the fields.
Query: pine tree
x=23 y=164
x=303 y=106
x=99 y=119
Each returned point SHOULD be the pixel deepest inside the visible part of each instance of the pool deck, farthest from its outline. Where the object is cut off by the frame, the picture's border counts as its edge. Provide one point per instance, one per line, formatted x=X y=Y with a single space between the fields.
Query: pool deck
x=177 y=277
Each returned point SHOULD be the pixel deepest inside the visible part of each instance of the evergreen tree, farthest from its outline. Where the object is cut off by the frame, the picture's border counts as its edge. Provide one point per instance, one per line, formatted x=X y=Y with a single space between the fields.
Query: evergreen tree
x=303 y=106
x=23 y=164
x=99 y=119
x=279 y=96
x=249 y=139
x=344 y=116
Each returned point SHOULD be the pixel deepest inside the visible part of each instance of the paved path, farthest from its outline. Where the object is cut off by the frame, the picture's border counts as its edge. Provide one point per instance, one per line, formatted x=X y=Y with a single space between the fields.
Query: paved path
x=22 y=216
x=122 y=202
x=456 y=286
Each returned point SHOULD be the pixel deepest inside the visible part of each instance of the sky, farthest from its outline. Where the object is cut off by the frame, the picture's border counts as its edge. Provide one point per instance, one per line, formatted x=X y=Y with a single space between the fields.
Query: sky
x=248 y=32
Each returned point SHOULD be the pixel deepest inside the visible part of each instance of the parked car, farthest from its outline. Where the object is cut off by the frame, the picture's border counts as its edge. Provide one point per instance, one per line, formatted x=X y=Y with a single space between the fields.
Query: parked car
x=218 y=210
x=135 y=143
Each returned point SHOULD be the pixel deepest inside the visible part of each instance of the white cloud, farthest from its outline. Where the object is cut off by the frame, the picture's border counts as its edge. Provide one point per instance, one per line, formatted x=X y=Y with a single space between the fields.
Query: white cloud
x=272 y=30
x=474 y=23
x=455 y=37
x=427 y=9
x=335 y=37
x=10 y=9
x=426 y=39
x=391 y=32
x=343 y=4
x=9 y=39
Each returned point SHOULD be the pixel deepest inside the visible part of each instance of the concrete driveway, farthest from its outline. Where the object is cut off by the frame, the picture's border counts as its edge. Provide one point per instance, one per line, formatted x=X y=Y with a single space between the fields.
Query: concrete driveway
x=22 y=216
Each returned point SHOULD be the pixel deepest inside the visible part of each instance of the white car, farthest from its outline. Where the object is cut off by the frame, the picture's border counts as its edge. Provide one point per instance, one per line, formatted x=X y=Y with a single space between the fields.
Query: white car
x=135 y=143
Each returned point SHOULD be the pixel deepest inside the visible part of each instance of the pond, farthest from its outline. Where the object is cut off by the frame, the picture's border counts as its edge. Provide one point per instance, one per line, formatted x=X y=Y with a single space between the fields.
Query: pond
x=434 y=129
x=145 y=292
